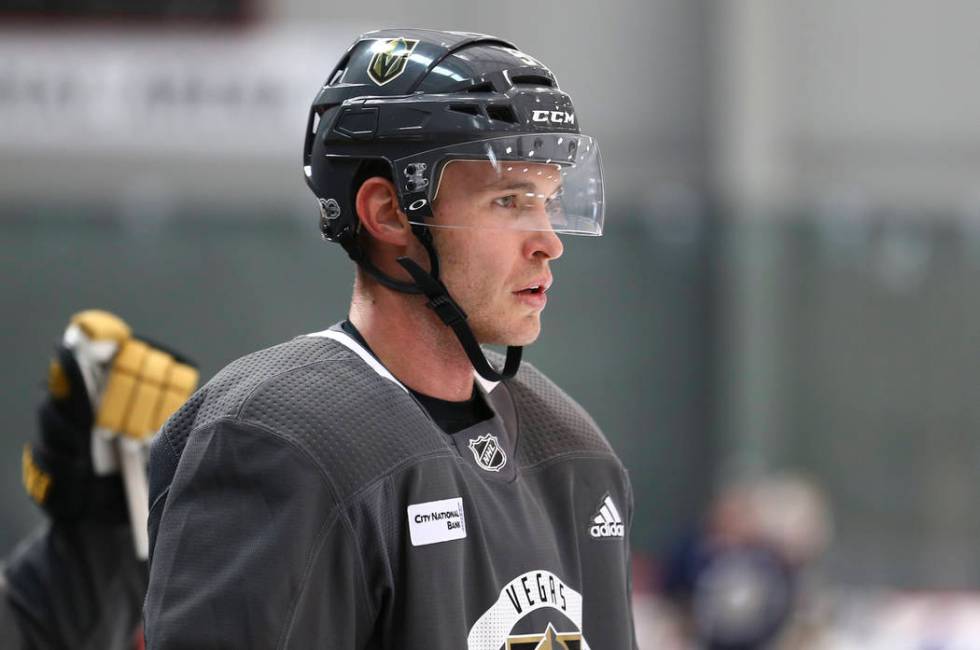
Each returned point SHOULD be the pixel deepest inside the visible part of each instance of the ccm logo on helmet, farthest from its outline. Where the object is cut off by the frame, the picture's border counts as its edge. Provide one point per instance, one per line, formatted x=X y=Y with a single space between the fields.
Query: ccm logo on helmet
x=554 y=117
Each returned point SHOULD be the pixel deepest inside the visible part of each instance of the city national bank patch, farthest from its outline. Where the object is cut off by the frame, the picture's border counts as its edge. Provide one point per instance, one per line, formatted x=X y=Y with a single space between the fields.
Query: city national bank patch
x=436 y=521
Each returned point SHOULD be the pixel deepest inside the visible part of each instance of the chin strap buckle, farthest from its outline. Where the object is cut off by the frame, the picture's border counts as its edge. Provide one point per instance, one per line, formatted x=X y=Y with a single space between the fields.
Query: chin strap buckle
x=446 y=309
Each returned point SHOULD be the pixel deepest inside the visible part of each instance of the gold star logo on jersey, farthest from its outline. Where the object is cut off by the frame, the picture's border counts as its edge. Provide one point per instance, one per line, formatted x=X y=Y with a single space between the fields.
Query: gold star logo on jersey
x=390 y=57
x=550 y=640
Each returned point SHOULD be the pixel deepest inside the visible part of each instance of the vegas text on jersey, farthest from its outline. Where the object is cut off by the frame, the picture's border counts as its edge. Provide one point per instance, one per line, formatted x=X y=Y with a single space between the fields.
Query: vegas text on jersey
x=505 y=625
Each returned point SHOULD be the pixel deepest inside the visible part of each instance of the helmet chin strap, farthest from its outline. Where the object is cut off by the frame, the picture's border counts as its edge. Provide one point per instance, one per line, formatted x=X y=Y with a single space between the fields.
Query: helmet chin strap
x=453 y=315
x=450 y=313
x=440 y=301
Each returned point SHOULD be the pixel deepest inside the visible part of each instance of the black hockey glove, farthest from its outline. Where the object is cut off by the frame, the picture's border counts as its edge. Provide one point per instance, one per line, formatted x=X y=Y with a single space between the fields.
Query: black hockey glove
x=107 y=394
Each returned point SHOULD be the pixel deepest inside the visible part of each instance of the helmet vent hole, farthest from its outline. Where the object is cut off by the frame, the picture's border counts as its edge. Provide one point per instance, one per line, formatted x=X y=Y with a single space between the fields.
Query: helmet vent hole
x=485 y=87
x=532 y=80
x=502 y=114
x=468 y=109
x=339 y=71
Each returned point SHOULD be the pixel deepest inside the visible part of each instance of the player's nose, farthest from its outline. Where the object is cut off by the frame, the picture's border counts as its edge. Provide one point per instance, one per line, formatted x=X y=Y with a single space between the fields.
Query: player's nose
x=544 y=243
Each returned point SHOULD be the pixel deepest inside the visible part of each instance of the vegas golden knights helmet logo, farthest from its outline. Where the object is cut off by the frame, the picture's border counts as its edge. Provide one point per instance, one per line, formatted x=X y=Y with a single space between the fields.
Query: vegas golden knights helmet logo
x=390 y=57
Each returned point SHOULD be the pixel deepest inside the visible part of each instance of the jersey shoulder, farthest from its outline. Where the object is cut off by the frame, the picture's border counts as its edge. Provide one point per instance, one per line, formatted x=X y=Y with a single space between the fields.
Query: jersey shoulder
x=317 y=395
x=552 y=424
x=228 y=393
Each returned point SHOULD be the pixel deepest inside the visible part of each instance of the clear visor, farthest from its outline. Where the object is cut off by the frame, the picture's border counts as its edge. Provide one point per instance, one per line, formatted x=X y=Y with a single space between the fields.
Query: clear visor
x=534 y=182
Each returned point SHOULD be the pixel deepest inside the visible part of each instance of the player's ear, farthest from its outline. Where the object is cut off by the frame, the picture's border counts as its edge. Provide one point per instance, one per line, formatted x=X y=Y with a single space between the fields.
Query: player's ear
x=377 y=207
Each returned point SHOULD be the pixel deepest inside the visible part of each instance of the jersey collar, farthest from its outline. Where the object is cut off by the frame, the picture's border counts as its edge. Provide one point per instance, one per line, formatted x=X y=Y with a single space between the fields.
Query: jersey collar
x=345 y=339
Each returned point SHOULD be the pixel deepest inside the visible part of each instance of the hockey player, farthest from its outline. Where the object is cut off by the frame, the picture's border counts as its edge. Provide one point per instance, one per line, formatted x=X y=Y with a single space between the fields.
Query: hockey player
x=79 y=582
x=383 y=483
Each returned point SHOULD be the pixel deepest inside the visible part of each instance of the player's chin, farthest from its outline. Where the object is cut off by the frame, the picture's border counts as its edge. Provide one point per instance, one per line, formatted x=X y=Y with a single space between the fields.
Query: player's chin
x=529 y=331
x=523 y=331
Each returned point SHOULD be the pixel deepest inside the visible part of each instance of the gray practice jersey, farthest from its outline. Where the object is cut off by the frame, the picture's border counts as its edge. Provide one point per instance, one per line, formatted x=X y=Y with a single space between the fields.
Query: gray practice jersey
x=304 y=499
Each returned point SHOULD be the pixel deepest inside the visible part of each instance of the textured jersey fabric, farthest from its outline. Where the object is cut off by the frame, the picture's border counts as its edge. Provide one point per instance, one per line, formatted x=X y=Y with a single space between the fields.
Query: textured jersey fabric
x=304 y=499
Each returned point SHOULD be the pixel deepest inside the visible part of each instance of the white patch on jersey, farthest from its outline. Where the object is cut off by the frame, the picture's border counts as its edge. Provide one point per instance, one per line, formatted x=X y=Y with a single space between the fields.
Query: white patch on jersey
x=524 y=594
x=436 y=521
x=607 y=523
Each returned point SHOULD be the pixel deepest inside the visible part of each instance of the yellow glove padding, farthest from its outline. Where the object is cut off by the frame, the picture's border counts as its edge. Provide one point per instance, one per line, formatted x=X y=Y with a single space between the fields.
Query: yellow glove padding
x=144 y=386
x=71 y=473
x=100 y=325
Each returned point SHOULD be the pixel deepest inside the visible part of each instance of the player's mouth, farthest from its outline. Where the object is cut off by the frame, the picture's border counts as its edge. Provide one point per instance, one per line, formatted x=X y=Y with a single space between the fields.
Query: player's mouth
x=534 y=294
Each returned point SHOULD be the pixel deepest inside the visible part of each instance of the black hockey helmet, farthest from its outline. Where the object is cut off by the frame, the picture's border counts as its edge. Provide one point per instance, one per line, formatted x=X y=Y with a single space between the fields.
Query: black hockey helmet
x=412 y=101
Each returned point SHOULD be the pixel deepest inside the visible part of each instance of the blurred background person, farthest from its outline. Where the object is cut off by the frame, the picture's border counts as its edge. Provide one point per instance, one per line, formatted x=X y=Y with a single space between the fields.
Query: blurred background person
x=80 y=579
x=787 y=278
x=739 y=578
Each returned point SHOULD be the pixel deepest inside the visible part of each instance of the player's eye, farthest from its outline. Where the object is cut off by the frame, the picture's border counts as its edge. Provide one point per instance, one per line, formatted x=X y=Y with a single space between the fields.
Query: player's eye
x=553 y=203
x=509 y=201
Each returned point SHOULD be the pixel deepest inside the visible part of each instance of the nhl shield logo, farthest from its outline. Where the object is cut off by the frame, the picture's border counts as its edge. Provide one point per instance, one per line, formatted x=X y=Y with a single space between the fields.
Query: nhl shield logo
x=488 y=453
x=390 y=57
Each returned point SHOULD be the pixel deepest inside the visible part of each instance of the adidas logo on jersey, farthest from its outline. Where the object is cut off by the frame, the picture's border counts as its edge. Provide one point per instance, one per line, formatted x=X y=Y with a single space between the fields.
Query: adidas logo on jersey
x=606 y=522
